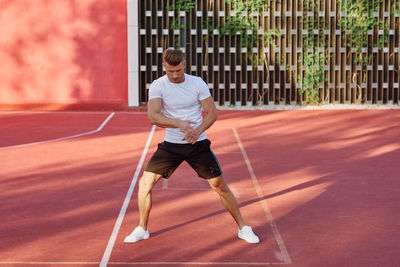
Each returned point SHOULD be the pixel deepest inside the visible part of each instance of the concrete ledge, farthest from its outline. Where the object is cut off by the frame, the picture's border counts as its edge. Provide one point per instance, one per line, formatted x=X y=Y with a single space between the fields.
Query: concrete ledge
x=319 y=107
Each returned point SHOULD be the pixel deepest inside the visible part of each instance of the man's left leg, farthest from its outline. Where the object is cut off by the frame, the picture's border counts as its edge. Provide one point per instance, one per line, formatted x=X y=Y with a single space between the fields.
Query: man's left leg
x=227 y=198
x=229 y=201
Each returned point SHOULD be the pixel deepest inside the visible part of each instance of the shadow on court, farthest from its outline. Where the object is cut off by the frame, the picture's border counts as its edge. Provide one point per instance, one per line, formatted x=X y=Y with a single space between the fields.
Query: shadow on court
x=328 y=177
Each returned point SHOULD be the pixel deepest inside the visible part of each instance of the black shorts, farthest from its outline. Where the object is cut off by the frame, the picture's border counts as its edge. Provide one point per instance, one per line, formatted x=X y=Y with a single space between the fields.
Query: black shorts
x=199 y=156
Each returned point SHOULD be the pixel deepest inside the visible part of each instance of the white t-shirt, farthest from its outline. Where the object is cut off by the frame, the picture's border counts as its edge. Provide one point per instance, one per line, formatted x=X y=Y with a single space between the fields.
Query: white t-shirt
x=180 y=101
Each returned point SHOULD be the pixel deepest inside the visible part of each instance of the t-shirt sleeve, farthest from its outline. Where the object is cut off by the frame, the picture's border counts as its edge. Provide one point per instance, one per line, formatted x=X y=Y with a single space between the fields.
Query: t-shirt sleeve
x=204 y=91
x=155 y=90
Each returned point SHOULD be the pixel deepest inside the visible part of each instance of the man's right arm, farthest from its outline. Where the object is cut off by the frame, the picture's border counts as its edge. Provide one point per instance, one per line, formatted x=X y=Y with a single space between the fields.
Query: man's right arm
x=155 y=116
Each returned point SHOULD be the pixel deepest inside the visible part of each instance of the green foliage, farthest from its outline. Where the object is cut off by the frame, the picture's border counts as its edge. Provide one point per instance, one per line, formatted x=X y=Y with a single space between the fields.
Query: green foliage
x=246 y=22
x=394 y=7
x=313 y=76
x=248 y=26
x=312 y=60
x=182 y=5
x=357 y=21
x=177 y=7
x=176 y=25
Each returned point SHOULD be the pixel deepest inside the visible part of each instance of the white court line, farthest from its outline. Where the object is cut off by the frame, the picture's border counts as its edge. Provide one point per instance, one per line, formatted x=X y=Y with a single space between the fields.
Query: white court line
x=260 y=194
x=48 y=263
x=165 y=184
x=117 y=226
x=64 y=138
x=139 y=263
x=197 y=263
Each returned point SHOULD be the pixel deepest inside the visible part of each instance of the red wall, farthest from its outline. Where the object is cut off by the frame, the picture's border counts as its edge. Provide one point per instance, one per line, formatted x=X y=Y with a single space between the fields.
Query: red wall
x=63 y=53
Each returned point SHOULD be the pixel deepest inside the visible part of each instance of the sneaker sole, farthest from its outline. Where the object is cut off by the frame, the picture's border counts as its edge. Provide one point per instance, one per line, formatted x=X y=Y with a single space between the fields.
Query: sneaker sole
x=249 y=241
x=144 y=238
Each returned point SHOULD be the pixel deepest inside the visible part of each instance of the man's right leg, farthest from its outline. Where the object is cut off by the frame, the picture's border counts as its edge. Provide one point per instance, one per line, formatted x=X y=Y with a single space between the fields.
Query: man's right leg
x=146 y=184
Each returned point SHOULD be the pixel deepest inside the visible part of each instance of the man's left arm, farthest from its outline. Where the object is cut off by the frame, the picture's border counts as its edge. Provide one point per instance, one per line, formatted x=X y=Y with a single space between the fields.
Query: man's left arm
x=211 y=116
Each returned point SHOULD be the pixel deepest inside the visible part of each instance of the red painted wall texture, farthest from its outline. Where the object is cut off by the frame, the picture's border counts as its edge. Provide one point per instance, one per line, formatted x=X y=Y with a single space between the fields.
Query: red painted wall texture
x=63 y=52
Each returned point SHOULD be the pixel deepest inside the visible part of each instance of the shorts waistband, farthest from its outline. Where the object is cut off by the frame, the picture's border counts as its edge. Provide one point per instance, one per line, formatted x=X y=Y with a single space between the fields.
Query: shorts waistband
x=186 y=144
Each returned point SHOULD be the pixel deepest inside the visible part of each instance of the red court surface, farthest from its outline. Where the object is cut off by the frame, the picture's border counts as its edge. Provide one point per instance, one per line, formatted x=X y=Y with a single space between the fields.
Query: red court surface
x=320 y=188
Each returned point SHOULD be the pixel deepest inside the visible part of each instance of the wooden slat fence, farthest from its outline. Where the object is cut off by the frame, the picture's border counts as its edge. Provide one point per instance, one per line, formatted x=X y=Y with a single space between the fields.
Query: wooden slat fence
x=234 y=80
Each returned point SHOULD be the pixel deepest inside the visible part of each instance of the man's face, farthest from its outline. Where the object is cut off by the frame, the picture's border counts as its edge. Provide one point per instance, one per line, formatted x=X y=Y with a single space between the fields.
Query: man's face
x=176 y=74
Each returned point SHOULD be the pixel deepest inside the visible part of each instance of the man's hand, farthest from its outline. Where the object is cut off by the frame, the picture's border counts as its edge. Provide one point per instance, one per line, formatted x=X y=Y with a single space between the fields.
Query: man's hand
x=191 y=134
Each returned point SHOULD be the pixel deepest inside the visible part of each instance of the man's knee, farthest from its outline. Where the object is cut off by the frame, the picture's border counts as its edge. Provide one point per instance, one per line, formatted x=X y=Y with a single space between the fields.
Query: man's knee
x=218 y=184
x=148 y=180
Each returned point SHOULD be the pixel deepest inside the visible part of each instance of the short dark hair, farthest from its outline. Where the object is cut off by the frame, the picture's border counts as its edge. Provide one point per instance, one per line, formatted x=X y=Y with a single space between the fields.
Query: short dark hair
x=173 y=56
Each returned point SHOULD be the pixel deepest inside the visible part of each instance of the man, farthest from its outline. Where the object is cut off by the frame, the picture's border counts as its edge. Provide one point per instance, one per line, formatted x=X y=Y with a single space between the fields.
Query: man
x=175 y=102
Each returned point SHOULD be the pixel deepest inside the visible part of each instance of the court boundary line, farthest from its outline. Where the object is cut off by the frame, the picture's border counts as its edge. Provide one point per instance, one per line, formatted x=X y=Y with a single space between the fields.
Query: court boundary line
x=64 y=138
x=121 y=215
x=48 y=262
x=286 y=258
x=266 y=208
x=196 y=263
x=107 y=253
x=141 y=263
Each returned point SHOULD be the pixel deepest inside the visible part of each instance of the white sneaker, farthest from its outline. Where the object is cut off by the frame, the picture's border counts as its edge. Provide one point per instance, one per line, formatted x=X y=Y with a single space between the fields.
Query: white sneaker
x=247 y=234
x=138 y=234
